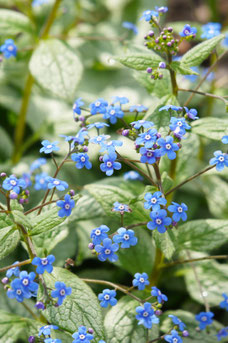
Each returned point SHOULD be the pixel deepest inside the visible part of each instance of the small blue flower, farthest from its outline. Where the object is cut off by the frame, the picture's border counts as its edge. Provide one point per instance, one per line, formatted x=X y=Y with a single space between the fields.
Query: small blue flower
x=66 y=206
x=220 y=160
x=191 y=113
x=147 y=138
x=82 y=160
x=178 y=126
x=110 y=146
x=13 y=184
x=38 y=163
x=157 y=293
x=82 y=336
x=68 y=138
x=107 y=297
x=99 y=234
x=17 y=291
x=121 y=99
x=170 y=107
x=140 y=281
x=99 y=106
x=222 y=333
x=49 y=147
x=178 y=211
x=46 y=330
x=145 y=315
x=36 y=3
x=99 y=139
x=112 y=113
x=13 y=271
x=168 y=147
x=188 y=31
x=159 y=221
x=132 y=176
x=224 y=303
x=107 y=250
x=147 y=15
x=109 y=163
x=162 y=9
x=211 y=30
x=27 y=178
x=27 y=282
x=43 y=264
x=52 y=340
x=41 y=181
x=80 y=137
x=173 y=338
x=61 y=292
x=138 y=108
x=118 y=207
x=178 y=322
x=225 y=41
x=225 y=139
x=130 y=26
x=77 y=106
x=8 y=49
x=52 y=183
x=154 y=201
x=125 y=237
x=149 y=156
x=98 y=125
x=205 y=319
x=142 y=123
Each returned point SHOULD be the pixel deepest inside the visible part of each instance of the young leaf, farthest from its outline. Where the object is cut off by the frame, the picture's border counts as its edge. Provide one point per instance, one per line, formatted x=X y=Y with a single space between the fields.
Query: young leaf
x=140 y=61
x=9 y=238
x=12 y=23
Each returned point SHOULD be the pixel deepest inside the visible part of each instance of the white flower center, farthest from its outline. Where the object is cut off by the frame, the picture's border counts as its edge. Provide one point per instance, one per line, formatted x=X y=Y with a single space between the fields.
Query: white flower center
x=109 y=164
x=158 y=221
x=49 y=146
x=13 y=182
x=149 y=154
x=25 y=282
x=42 y=181
x=44 y=261
x=221 y=158
x=67 y=206
x=121 y=207
x=126 y=237
x=56 y=182
x=97 y=232
x=83 y=159
x=168 y=146
x=153 y=200
x=186 y=32
x=62 y=292
x=148 y=137
x=179 y=123
x=141 y=280
x=180 y=209
x=10 y=47
x=147 y=12
x=81 y=337
x=97 y=104
x=99 y=139
x=175 y=340
x=106 y=297
x=107 y=251
x=112 y=112
x=145 y=314
x=204 y=318
x=141 y=121
x=18 y=292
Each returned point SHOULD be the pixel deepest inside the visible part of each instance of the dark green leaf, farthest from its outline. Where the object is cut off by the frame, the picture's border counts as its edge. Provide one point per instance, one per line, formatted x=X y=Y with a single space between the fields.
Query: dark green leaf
x=166 y=242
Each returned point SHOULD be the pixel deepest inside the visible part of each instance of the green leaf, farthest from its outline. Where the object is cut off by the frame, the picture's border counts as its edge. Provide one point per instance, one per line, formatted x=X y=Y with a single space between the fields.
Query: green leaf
x=200 y=52
x=12 y=23
x=20 y=218
x=122 y=326
x=166 y=242
x=179 y=25
x=181 y=68
x=80 y=308
x=212 y=128
x=9 y=238
x=158 y=88
x=5 y=220
x=56 y=68
x=140 y=61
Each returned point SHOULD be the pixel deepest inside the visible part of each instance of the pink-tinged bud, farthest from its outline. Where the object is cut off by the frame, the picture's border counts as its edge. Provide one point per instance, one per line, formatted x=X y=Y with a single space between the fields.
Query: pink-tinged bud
x=164 y=37
x=169 y=44
x=71 y=192
x=145 y=37
x=158 y=135
x=149 y=70
x=3 y=174
x=101 y=158
x=125 y=133
x=162 y=65
x=172 y=41
x=85 y=149
x=155 y=146
x=137 y=146
x=160 y=76
x=174 y=223
x=56 y=305
x=158 y=312
x=156 y=40
x=40 y=305
x=170 y=29
x=179 y=145
x=31 y=339
x=151 y=33
x=76 y=119
x=27 y=192
x=13 y=195
x=91 y=246
x=185 y=333
x=152 y=77
x=82 y=118
x=21 y=201
x=5 y=280
x=90 y=330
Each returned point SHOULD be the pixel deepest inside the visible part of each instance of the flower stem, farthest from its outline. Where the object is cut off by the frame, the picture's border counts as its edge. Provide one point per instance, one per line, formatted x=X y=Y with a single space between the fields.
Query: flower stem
x=210 y=95
x=218 y=257
x=19 y=264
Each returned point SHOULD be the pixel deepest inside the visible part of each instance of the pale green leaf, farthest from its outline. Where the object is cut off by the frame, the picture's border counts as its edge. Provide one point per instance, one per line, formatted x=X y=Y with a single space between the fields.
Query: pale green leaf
x=9 y=238
x=140 y=61
x=181 y=68
x=212 y=128
x=166 y=242
x=159 y=87
x=12 y=22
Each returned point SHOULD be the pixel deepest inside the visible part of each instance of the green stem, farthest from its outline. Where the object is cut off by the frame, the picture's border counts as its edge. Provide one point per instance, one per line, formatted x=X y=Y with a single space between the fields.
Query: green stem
x=50 y=20
x=173 y=76
x=210 y=95
x=19 y=264
x=30 y=311
x=215 y=257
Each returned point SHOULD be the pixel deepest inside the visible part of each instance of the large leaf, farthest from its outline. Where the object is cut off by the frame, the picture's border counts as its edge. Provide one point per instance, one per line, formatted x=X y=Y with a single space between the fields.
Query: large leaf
x=12 y=22
x=122 y=326
x=165 y=242
x=180 y=68
x=5 y=220
x=140 y=61
x=80 y=308
x=158 y=88
x=212 y=128
x=200 y=52
x=56 y=68
x=9 y=238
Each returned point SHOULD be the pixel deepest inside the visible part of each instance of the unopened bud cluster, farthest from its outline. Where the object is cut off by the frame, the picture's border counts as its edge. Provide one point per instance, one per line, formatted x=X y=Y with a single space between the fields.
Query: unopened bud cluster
x=165 y=42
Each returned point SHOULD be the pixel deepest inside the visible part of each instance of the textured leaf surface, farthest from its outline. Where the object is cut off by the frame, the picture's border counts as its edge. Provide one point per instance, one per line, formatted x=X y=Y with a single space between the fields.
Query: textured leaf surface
x=158 y=88
x=12 y=22
x=212 y=128
x=9 y=238
x=5 y=220
x=140 y=61
x=181 y=68
x=56 y=68
x=165 y=242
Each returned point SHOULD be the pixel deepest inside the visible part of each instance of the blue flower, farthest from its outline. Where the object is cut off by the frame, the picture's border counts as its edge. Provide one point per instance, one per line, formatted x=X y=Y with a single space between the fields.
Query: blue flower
x=211 y=30
x=162 y=9
x=52 y=340
x=27 y=178
x=99 y=234
x=178 y=322
x=38 y=163
x=225 y=139
x=125 y=237
x=109 y=163
x=121 y=99
x=82 y=160
x=39 y=2
x=157 y=293
x=149 y=156
x=52 y=183
x=41 y=181
x=224 y=303
x=13 y=271
x=110 y=146
x=159 y=221
x=66 y=206
x=13 y=184
x=77 y=106
x=173 y=338
x=220 y=160
x=130 y=26
x=178 y=126
x=49 y=147
x=99 y=106
x=27 y=282
x=107 y=297
x=188 y=31
x=138 y=108
x=154 y=201
x=9 y=49
x=132 y=176
x=46 y=330
x=225 y=41
x=68 y=138
x=168 y=147
x=222 y=333
x=147 y=15
x=17 y=291
x=97 y=125
x=192 y=113
x=80 y=137
x=43 y=264
x=170 y=107
x=112 y=113
x=99 y=139
x=118 y=207
x=179 y=211
x=205 y=319
x=61 y=292
x=142 y=123
x=147 y=138
x=140 y=281
x=107 y=250
x=82 y=336
x=145 y=315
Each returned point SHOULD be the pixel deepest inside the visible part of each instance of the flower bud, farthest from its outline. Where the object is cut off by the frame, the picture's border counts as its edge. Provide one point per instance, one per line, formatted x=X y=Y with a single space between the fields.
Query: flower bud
x=101 y=158
x=21 y=201
x=158 y=312
x=31 y=339
x=149 y=70
x=169 y=44
x=27 y=192
x=156 y=40
x=125 y=133
x=155 y=146
x=85 y=149
x=185 y=333
x=13 y=195
x=40 y=306
x=151 y=33
x=160 y=76
x=174 y=223
x=158 y=135
x=71 y=192
x=164 y=37
x=162 y=65
x=91 y=246
x=82 y=118
x=90 y=330
x=3 y=174
x=170 y=29
x=5 y=280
